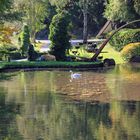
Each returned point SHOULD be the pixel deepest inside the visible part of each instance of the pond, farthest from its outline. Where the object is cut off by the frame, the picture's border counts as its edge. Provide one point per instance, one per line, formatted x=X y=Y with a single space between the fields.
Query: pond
x=49 y=105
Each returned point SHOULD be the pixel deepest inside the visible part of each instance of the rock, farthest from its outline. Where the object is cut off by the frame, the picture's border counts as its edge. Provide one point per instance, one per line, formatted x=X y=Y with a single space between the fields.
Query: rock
x=109 y=62
x=47 y=57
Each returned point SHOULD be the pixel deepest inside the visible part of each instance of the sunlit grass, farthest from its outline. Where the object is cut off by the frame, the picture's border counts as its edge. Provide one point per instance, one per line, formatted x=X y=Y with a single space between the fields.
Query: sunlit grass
x=111 y=53
x=107 y=52
x=81 y=52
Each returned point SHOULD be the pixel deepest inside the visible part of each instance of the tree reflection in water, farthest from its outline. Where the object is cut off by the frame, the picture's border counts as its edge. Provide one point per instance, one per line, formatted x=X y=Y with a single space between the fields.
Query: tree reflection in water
x=8 y=112
x=47 y=115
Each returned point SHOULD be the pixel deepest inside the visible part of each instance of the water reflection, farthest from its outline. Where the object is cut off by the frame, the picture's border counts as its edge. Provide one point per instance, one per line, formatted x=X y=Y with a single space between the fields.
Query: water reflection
x=8 y=112
x=37 y=111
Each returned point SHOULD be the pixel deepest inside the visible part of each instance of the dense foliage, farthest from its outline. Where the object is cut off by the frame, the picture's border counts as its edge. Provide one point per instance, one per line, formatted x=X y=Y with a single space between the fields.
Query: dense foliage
x=59 y=35
x=86 y=19
x=122 y=10
x=86 y=16
x=5 y=34
x=6 y=51
x=7 y=11
x=137 y=6
x=131 y=50
x=5 y=6
x=34 y=13
x=124 y=37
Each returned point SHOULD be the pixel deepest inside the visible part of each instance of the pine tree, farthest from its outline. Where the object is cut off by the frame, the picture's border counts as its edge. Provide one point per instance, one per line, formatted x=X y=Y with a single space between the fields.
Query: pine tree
x=59 y=36
x=25 y=40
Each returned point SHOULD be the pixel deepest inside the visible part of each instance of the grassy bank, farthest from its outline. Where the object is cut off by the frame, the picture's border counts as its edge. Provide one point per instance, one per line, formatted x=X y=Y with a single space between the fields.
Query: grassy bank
x=49 y=64
x=112 y=53
x=107 y=52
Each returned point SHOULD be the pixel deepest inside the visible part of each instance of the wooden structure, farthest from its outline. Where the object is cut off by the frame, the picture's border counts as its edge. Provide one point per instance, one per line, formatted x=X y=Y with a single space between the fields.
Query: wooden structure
x=107 y=40
x=106 y=28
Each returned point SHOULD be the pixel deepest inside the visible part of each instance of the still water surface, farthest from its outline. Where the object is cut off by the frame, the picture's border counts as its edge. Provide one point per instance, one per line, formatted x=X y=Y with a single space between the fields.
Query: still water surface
x=48 y=105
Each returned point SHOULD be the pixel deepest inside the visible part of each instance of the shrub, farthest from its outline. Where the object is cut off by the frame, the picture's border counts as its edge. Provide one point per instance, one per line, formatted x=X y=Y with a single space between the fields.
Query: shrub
x=25 y=40
x=8 y=48
x=59 y=36
x=131 y=50
x=124 y=37
x=47 y=57
x=15 y=55
x=7 y=51
x=31 y=53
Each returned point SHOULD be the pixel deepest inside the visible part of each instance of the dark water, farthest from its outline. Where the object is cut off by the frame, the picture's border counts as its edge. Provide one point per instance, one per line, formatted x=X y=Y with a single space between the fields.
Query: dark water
x=100 y=105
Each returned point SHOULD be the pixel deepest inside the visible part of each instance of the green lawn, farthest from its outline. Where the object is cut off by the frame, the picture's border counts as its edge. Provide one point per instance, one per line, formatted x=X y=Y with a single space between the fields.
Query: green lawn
x=107 y=52
x=48 y=64
x=112 y=54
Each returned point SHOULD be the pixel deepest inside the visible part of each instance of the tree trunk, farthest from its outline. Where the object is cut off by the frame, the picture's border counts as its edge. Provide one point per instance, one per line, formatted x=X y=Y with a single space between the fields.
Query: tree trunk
x=33 y=33
x=85 y=29
x=85 y=20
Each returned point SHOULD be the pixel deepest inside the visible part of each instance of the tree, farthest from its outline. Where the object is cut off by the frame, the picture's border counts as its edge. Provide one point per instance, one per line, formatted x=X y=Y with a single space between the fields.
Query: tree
x=86 y=7
x=90 y=10
x=25 y=40
x=35 y=12
x=137 y=6
x=7 y=11
x=50 y=11
x=5 y=6
x=5 y=34
x=60 y=4
x=59 y=35
x=84 y=4
x=121 y=10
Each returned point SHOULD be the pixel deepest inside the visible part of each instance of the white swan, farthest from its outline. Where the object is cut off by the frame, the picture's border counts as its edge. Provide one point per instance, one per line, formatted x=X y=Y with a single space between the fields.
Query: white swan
x=75 y=75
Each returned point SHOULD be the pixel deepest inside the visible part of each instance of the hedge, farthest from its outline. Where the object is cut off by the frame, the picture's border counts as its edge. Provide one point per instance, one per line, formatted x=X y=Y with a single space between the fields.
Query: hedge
x=124 y=37
x=48 y=64
x=131 y=50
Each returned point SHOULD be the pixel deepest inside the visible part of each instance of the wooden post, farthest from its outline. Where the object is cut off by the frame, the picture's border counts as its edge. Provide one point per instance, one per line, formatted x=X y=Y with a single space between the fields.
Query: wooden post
x=85 y=20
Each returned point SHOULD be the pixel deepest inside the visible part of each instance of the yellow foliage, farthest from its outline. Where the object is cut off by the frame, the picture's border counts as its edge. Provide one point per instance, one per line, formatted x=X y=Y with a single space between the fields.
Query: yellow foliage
x=130 y=50
x=5 y=34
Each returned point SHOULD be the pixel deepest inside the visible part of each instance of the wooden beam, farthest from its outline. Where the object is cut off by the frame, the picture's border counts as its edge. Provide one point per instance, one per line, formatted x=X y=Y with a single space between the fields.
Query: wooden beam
x=107 y=40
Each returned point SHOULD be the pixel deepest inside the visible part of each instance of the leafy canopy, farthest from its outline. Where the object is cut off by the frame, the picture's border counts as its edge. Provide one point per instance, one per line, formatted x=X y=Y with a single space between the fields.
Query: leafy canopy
x=122 y=10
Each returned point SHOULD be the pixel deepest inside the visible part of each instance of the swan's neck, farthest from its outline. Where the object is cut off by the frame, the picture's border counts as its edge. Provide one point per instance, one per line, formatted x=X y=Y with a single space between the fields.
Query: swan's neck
x=71 y=72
